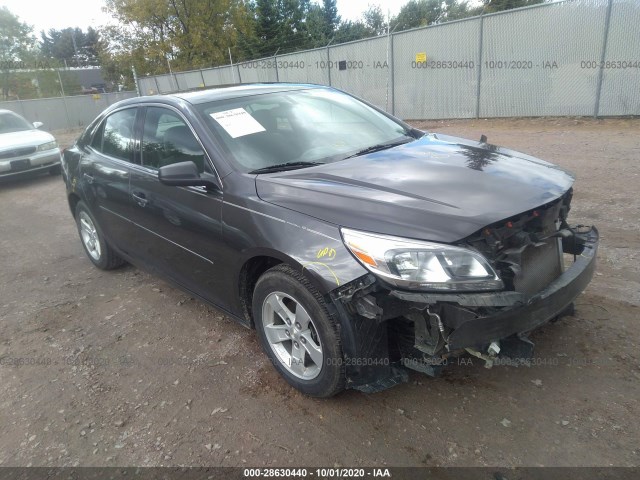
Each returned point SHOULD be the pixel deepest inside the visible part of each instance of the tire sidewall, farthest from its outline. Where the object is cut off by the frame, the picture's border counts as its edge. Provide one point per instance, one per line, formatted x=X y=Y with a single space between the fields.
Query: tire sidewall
x=102 y=263
x=332 y=372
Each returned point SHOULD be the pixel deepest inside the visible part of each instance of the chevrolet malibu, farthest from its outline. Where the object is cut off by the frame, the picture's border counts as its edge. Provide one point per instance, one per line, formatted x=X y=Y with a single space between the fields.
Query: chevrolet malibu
x=357 y=246
x=24 y=149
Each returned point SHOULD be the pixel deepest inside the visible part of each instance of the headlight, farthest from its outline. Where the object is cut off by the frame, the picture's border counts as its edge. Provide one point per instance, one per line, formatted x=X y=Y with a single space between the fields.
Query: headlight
x=421 y=265
x=47 y=146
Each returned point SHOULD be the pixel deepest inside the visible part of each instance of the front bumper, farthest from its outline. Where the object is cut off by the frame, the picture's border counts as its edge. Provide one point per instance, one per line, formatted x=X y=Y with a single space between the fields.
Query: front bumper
x=29 y=165
x=385 y=329
x=518 y=314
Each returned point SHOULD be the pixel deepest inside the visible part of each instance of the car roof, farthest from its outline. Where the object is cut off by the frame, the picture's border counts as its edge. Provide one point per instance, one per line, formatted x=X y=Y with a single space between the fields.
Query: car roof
x=223 y=92
x=244 y=90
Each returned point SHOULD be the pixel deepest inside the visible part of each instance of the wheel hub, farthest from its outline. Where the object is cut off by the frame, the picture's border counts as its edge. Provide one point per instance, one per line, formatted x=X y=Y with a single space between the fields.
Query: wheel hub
x=292 y=335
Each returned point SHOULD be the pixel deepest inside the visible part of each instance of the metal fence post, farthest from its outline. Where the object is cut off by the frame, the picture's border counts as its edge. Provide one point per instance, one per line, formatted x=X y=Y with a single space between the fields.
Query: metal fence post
x=328 y=64
x=479 y=65
x=204 y=84
x=64 y=100
x=275 y=62
x=155 y=79
x=392 y=76
x=607 y=21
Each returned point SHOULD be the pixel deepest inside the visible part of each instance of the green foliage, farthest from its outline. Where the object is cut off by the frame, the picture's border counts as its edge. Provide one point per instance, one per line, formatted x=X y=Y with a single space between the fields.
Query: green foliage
x=16 y=50
x=419 y=13
x=500 y=5
x=70 y=46
x=375 y=20
x=331 y=17
x=279 y=26
x=155 y=35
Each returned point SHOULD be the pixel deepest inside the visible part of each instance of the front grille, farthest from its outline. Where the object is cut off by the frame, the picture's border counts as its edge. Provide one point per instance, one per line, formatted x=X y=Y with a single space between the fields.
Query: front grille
x=524 y=249
x=539 y=266
x=17 y=152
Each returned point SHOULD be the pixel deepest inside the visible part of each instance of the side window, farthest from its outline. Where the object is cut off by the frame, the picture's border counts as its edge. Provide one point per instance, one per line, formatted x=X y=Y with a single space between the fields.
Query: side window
x=167 y=139
x=115 y=135
x=96 y=143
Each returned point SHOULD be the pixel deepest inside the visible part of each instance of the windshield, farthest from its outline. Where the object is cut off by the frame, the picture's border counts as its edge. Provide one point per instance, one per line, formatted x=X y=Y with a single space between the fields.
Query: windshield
x=10 y=122
x=298 y=128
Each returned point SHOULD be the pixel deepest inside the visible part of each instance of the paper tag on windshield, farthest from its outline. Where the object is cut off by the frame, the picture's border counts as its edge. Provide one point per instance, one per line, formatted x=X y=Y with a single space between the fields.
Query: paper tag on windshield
x=237 y=122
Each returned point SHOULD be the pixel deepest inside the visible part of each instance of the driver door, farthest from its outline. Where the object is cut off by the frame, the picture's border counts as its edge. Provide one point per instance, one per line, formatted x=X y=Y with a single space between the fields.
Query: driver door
x=178 y=229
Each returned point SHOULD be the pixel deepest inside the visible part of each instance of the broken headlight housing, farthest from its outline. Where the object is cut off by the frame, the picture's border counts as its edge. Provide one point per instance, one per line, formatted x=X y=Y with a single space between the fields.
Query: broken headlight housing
x=419 y=265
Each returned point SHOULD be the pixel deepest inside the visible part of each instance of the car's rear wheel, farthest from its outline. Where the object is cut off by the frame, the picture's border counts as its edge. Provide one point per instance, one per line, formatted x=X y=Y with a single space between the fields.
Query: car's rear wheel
x=95 y=246
x=298 y=333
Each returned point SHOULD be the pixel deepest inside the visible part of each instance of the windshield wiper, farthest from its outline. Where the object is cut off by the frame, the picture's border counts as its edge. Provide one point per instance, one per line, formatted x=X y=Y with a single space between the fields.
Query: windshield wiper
x=378 y=147
x=281 y=167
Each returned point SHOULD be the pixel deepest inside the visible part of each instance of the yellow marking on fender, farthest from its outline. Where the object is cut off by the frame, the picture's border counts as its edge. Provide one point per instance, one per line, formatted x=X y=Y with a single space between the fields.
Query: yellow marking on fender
x=324 y=265
x=329 y=253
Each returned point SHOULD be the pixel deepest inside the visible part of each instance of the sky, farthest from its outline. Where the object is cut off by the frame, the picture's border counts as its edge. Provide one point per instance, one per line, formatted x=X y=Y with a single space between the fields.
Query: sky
x=58 y=14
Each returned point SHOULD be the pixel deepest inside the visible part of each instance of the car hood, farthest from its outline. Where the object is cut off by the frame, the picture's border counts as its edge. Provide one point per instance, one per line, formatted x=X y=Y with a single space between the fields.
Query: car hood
x=438 y=188
x=24 y=138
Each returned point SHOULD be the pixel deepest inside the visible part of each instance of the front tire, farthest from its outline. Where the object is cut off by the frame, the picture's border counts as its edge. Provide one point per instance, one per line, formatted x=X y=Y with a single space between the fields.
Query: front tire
x=95 y=246
x=297 y=332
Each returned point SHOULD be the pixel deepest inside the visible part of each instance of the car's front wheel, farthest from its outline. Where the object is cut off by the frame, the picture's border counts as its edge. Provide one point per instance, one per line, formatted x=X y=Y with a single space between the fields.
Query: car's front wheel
x=95 y=246
x=298 y=333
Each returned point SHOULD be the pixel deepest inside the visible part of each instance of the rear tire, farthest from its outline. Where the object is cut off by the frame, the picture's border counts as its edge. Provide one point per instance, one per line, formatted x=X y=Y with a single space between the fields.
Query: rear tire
x=93 y=242
x=297 y=332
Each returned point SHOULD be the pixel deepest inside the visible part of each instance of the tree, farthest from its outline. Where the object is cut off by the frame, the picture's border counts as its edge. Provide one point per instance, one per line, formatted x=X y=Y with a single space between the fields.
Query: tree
x=315 y=27
x=16 y=48
x=349 y=31
x=151 y=34
x=500 y=5
x=280 y=25
x=374 y=20
x=331 y=17
x=419 y=13
x=70 y=46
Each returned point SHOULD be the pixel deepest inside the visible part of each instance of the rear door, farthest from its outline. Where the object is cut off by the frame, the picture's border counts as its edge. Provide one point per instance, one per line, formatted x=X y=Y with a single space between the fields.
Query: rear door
x=105 y=170
x=178 y=229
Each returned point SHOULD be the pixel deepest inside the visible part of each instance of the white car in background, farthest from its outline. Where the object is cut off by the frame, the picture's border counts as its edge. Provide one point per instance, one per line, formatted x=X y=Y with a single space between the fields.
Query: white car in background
x=24 y=149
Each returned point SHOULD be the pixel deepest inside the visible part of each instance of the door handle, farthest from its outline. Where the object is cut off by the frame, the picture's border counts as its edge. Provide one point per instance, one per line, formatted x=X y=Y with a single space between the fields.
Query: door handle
x=140 y=198
x=88 y=178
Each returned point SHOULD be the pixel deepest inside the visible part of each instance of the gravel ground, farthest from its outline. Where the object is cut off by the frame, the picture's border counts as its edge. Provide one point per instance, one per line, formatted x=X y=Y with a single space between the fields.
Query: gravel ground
x=119 y=368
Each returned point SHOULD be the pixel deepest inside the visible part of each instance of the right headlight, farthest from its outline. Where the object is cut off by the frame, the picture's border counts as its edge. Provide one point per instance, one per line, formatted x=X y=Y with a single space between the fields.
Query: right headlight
x=422 y=265
x=47 y=146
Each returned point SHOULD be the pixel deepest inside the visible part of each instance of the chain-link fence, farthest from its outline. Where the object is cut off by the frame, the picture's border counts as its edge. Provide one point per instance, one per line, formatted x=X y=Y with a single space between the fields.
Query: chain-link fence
x=574 y=57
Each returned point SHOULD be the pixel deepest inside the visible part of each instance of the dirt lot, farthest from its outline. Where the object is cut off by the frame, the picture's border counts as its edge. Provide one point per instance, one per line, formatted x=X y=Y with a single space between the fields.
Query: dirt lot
x=120 y=368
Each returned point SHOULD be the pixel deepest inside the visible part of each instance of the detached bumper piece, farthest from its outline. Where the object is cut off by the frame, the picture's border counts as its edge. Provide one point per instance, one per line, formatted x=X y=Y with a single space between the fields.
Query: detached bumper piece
x=420 y=331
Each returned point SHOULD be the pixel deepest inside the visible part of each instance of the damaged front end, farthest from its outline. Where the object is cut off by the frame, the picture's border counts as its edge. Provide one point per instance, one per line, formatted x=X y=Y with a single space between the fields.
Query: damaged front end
x=393 y=327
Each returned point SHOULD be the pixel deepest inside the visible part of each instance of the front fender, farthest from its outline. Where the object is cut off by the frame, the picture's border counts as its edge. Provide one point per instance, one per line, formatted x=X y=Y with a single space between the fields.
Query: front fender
x=308 y=244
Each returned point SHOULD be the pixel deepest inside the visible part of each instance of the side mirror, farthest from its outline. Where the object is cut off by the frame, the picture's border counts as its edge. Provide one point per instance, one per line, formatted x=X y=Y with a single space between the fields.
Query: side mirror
x=37 y=124
x=185 y=174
